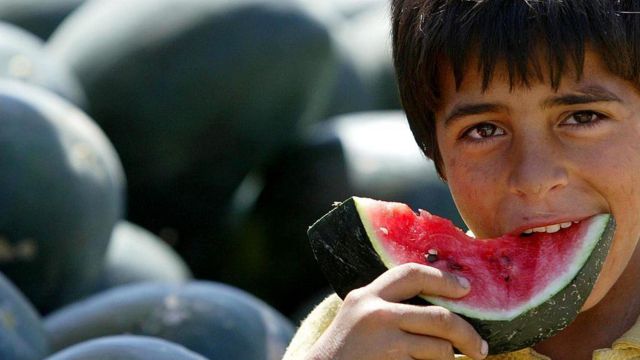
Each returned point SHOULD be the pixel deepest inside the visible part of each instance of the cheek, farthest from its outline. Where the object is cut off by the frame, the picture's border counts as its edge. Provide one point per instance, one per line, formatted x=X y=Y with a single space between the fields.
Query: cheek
x=624 y=187
x=612 y=171
x=475 y=191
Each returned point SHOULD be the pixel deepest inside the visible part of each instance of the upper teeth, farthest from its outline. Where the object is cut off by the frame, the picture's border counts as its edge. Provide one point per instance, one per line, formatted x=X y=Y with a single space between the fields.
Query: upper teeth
x=549 y=228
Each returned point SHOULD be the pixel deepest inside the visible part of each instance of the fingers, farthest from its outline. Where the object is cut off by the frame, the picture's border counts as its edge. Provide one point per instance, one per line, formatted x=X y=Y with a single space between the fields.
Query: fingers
x=436 y=321
x=416 y=347
x=423 y=347
x=408 y=280
x=429 y=323
x=375 y=315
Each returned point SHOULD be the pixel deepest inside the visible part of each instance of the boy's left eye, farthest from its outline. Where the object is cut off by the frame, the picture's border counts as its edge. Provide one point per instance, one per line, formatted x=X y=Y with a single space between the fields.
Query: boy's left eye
x=583 y=118
x=483 y=131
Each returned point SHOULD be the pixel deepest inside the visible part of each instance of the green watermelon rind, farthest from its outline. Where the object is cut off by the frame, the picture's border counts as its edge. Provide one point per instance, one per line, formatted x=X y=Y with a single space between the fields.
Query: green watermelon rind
x=597 y=226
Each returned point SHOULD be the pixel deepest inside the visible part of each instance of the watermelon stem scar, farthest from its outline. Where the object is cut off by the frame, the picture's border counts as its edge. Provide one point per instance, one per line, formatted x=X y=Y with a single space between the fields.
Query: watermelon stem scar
x=524 y=288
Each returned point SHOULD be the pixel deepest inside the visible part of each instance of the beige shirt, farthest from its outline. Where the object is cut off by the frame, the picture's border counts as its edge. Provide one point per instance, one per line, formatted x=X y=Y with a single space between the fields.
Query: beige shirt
x=625 y=348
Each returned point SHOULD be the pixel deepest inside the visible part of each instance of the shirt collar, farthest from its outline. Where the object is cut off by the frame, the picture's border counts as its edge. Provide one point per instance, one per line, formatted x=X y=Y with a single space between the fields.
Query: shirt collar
x=630 y=339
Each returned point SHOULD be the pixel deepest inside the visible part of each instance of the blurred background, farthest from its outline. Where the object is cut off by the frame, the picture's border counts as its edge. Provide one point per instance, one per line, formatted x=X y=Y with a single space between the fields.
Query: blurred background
x=192 y=142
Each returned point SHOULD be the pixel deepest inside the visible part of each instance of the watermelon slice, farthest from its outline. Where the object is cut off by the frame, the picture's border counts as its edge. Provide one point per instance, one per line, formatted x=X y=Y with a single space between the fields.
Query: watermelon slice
x=524 y=288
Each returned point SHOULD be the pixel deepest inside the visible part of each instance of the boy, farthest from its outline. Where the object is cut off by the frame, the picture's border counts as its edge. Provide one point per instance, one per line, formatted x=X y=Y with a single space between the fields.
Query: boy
x=531 y=111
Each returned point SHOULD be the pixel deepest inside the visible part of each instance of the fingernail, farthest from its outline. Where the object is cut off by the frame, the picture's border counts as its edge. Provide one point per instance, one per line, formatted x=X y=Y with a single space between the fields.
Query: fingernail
x=484 y=349
x=464 y=282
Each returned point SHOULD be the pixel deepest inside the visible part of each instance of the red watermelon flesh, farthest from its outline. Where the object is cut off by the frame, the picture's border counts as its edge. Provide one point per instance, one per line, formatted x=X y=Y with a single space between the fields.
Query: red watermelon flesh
x=508 y=275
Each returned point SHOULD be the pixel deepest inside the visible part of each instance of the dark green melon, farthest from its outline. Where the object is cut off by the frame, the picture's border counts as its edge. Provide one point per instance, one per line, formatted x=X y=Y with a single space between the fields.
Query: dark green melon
x=524 y=289
x=215 y=320
x=23 y=58
x=39 y=17
x=370 y=153
x=193 y=102
x=349 y=8
x=365 y=39
x=63 y=198
x=126 y=347
x=365 y=78
x=22 y=336
x=136 y=255
x=347 y=84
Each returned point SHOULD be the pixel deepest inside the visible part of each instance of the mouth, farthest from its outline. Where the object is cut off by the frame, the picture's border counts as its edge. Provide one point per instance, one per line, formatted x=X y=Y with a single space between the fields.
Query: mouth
x=553 y=228
x=547 y=228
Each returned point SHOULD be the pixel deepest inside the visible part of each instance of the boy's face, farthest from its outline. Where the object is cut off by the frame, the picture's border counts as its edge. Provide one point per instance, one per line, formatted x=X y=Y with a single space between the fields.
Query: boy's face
x=532 y=157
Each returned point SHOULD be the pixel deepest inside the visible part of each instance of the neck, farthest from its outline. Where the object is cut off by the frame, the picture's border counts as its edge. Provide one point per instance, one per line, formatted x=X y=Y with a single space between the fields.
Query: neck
x=601 y=325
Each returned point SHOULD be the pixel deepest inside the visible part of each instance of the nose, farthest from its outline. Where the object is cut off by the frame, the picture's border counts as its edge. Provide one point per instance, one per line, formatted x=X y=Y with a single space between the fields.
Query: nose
x=537 y=170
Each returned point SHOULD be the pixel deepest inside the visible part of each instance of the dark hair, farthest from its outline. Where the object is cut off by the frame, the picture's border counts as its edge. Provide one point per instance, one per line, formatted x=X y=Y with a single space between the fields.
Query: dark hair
x=428 y=34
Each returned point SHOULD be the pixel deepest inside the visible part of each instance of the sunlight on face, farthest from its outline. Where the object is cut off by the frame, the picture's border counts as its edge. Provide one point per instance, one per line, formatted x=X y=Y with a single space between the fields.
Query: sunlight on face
x=521 y=158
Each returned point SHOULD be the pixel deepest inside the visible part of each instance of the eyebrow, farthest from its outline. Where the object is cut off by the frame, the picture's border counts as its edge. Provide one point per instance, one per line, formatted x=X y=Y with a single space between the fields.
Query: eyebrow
x=584 y=95
x=461 y=110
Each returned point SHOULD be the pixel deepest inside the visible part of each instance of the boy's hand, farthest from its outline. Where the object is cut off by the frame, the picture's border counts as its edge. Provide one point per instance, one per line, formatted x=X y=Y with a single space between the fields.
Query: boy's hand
x=373 y=324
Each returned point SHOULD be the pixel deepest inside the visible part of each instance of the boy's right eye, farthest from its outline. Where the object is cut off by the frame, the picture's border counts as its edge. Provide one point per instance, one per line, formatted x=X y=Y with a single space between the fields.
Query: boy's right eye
x=483 y=131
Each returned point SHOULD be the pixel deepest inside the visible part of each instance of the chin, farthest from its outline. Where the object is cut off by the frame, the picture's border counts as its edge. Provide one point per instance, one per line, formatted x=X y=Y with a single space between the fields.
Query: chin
x=591 y=302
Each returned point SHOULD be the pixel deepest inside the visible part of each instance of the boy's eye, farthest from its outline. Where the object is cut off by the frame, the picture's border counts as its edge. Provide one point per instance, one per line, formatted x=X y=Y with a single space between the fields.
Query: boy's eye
x=583 y=118
x=483 y=131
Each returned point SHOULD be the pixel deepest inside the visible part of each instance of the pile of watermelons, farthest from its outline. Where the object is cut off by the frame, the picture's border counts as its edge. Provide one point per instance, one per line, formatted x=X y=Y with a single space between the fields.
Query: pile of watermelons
x=161 y=161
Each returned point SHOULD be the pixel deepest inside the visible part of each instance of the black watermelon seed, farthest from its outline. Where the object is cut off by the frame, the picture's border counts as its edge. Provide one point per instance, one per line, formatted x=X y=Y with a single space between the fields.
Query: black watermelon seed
x=431 y=255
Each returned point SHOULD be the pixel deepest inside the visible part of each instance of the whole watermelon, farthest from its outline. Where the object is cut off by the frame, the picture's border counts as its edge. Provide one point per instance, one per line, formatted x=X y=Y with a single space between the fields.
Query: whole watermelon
x=40 y=17
x=365 y=39
x=194 y=94
x=23 y=57
x=348 y=8
x=364 y=77
x=212 y=319
x=63 y=194
x=126 y=347
x=22 y=336
x=136 y=255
